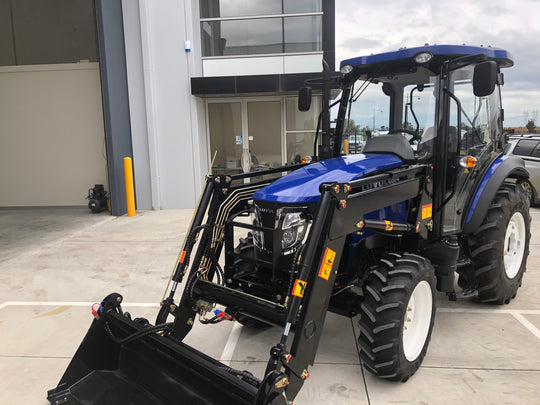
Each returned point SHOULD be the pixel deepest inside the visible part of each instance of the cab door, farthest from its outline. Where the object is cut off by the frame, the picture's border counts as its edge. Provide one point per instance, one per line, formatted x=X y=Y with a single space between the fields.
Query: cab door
x=474 y=123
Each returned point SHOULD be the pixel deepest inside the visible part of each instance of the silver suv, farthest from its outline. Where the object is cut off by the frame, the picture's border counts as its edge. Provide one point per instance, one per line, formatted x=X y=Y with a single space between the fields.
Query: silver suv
x=527 y=146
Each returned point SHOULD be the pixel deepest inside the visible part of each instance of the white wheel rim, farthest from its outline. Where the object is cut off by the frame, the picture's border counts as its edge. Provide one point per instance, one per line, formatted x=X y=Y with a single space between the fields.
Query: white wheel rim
x=514 y=245
x=417 y=320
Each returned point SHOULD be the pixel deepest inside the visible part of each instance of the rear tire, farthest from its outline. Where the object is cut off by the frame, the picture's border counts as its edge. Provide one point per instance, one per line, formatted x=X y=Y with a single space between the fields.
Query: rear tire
x=500 y=246
x=397 y=316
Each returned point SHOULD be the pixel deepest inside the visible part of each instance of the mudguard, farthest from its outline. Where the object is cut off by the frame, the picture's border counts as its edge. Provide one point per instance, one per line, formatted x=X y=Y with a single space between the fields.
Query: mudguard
x=502 y=168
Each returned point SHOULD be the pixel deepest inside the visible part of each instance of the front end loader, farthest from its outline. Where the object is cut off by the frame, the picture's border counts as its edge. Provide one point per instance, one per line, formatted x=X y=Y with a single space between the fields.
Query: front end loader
x=430 y=205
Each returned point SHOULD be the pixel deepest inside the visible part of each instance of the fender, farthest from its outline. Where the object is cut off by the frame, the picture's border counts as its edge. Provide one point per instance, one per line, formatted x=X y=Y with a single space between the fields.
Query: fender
x=503 y=167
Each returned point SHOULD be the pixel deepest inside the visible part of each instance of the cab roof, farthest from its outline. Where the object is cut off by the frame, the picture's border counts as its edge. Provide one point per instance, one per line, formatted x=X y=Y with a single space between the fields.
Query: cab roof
x=404 y=57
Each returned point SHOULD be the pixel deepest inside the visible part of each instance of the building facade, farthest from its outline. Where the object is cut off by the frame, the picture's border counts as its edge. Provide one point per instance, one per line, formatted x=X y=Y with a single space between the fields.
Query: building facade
x=174 y=84
x=215 y=80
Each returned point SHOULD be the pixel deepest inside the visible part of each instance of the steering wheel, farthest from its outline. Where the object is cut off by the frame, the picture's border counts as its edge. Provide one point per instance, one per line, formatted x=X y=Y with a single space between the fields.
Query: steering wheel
x=415 y=136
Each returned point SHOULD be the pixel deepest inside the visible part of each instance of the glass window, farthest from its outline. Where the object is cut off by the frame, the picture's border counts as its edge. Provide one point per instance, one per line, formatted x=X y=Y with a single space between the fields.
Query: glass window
x=479 y=115
x=239 y=8
x=300 y=127
x=418 y=108
x=299 y=144
x=370 y=112
x=303 y=34
x=302 y=6
x=536 y=152
x=241 y=37
x=525 y=147
x=239 y=27
x=47 y=32
x=301 y=120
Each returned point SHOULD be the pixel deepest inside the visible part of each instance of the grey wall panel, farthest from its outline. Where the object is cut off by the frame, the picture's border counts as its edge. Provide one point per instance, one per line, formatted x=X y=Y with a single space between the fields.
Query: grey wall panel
x=115 y=97
x=59 y=31
x=7 y=51
x=137 y=107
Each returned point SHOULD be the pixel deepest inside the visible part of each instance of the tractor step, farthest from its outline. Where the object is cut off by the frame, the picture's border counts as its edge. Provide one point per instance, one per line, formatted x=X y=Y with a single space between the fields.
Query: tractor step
x=465 y=295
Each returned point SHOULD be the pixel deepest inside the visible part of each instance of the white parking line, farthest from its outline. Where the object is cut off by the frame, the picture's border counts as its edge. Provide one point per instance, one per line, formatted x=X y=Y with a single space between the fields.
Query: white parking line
x=230 y=346
x=527 y=324
x=491 y=311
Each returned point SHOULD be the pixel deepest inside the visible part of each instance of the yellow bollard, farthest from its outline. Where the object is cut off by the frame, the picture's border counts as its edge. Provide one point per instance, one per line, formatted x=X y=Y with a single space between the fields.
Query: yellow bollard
x=346 y=146
x=130 y=194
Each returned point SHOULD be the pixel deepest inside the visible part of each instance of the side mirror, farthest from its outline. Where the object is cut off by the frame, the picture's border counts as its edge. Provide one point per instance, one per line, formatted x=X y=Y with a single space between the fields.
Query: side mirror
x=485 y=78
x=304 y=98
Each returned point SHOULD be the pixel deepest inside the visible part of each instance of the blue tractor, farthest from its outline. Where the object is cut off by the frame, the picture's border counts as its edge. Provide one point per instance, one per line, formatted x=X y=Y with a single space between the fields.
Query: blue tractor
x=430 y=204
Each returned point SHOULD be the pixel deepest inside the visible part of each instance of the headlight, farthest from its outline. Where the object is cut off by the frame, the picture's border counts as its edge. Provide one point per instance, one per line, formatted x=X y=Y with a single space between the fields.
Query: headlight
x=423 y=57
x=285 y=228
x=346 y=69
x=294 y=225
x=258 y=236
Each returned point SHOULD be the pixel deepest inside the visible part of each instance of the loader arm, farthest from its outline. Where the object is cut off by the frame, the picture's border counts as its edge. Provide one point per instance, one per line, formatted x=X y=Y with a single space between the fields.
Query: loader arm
x=125 y=361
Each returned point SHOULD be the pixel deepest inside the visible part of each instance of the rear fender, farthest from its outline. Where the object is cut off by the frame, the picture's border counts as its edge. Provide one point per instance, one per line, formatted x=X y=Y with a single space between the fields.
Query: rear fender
x=502 y=168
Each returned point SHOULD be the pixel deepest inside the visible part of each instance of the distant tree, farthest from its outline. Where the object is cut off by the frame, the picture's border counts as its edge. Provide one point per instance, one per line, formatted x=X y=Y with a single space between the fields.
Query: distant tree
x=529 y=116
x=408 y=125
x=530 y=126
x=352 y=128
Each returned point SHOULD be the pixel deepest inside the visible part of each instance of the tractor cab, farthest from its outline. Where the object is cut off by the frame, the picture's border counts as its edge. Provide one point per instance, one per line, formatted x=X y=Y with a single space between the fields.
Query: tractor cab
x=438 y=104
x=409 y=92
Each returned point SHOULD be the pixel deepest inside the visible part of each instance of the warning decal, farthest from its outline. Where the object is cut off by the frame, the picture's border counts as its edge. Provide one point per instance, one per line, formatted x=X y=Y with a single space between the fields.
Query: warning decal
x=389 y=225
x=327 y=263
x=299 y=288
x=427 y=211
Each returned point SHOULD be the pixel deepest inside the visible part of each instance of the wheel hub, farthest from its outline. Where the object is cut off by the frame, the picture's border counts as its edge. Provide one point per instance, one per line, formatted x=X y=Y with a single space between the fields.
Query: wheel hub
x=417 y=320
x=514 y=245
x=528 y=189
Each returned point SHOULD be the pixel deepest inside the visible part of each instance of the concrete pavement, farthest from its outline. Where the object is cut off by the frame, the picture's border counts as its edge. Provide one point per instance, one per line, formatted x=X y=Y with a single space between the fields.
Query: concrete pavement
x=55 y=263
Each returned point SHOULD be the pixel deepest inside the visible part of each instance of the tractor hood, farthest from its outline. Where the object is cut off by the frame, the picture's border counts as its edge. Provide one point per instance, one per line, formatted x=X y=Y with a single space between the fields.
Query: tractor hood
x=302 y=185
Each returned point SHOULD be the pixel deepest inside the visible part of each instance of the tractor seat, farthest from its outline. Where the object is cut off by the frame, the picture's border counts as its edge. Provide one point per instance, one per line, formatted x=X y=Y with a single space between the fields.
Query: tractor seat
x=394 y=144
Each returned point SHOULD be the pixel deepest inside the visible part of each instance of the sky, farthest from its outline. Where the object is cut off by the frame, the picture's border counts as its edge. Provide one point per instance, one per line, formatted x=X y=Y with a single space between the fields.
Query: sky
x=365 y=27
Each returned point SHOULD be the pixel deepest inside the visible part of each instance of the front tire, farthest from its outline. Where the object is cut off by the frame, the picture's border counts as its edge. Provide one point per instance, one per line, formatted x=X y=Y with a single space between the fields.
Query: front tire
x=397 y=316
x=499 y=248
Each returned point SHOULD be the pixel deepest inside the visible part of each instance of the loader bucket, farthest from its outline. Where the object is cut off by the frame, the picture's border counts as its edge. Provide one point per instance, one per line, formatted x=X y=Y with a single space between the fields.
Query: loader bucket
x=152 y=369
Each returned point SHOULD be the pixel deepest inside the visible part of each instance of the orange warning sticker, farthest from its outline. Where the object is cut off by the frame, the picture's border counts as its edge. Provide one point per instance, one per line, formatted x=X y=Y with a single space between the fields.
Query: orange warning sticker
x=327 y=263
x=183 y=256
x=389 y=225
x=427 y=211
x=299 y=288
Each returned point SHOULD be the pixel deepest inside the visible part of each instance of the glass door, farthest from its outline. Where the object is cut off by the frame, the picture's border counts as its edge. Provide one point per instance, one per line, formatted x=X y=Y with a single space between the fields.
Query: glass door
x=225 y=129
x=246 y=135
x=264 y=134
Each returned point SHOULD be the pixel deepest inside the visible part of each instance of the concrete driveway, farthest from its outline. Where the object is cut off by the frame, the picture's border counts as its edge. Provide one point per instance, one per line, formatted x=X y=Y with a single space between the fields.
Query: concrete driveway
x=55 y=263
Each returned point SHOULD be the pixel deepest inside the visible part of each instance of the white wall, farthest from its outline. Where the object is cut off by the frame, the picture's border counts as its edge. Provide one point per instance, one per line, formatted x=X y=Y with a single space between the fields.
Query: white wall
x=137 y=103
x=173 y=136
x=51 y=134
x=264 y=65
